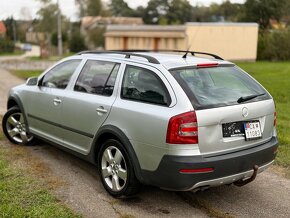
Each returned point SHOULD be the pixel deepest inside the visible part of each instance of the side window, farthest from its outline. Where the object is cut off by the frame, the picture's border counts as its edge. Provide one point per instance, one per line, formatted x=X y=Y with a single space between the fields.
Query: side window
x=60 y=75
x=143 y=85
x=97 y=77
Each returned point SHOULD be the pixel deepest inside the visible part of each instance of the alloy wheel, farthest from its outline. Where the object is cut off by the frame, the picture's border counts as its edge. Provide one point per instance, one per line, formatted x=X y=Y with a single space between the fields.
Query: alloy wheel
x=16 y=129
x=114 y=168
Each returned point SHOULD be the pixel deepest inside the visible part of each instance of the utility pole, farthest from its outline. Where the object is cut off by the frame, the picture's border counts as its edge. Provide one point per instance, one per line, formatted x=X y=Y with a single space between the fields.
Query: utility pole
x=59 y=31
x=14 y=30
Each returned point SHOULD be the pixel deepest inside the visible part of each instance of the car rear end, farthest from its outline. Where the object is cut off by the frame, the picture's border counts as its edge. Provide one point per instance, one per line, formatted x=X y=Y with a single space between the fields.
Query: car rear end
x=233 y=123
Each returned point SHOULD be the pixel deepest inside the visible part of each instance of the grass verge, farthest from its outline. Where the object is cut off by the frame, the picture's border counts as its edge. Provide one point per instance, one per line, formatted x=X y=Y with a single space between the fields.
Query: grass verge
x=50 y=58
x=275 y=77
x=15 y=53
x=24 y=195
x=25 y=74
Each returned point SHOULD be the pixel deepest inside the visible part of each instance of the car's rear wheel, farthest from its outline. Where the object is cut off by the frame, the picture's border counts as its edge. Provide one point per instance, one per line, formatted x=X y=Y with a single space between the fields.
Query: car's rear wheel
x=14 y=127
x=116 y=170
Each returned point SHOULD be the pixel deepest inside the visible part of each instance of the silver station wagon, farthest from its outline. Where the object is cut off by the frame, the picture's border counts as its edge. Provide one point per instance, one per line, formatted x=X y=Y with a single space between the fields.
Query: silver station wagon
x=171 y=120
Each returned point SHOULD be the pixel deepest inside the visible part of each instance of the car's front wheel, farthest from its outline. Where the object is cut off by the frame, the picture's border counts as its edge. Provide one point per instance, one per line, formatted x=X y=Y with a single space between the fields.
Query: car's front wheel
x=116 y=170
x=14 y=127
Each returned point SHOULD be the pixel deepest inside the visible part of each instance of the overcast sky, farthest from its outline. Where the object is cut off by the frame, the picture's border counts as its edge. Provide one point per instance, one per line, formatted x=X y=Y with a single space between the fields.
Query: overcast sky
x=26 y=9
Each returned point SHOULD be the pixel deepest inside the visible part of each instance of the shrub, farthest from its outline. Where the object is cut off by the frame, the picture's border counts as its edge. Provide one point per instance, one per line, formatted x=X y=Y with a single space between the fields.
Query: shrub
x=96 y=37
x=54 y=39
x=6 y=46
x=77 y=43
x=274 y=45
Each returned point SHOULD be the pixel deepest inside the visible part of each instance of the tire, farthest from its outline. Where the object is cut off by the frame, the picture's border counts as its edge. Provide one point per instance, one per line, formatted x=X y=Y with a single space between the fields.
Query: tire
x=14 y=128
x=116 y=170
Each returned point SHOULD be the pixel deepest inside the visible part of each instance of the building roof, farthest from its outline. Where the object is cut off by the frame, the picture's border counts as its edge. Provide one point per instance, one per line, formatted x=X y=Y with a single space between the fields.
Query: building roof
x=91 y=22
x=166 y=31
x=177 y=28
x=2 y=27
x=221 y=24
x=146 y=28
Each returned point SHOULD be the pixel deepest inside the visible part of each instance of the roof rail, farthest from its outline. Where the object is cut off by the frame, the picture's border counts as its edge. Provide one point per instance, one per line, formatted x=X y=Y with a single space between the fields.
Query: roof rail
x=193 y=53
x=127 y=54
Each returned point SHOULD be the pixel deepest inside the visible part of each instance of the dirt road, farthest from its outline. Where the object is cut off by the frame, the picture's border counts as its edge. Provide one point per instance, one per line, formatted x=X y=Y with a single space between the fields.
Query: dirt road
x=267 y=196
x=6 y=82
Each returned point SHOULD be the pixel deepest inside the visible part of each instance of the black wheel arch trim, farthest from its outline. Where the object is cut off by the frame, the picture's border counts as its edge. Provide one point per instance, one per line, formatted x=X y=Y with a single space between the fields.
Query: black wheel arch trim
x=120 y=135
x=20 y=105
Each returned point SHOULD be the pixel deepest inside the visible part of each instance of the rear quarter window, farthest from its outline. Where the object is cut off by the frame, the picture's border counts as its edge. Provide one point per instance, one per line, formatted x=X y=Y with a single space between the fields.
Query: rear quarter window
x=143 y=85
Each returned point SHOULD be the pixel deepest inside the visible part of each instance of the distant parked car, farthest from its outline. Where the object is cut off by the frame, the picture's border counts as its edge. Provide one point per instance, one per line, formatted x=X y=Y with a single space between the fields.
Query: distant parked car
x=27 y=47
x=178 y=122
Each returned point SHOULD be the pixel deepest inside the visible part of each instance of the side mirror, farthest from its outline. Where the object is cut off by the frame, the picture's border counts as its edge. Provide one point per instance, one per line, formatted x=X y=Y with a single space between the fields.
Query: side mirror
x=32 y=81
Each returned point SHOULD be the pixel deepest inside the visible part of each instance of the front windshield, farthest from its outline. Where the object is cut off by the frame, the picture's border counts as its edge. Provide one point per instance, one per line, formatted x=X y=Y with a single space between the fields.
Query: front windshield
x=217 y=85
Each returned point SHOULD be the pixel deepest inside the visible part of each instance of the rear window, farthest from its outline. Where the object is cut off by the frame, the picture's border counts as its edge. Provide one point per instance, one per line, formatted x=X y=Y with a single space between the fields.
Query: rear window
x=218 y=86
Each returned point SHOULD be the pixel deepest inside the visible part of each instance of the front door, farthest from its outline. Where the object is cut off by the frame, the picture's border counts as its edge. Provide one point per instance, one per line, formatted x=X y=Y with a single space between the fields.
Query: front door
x=45 y=101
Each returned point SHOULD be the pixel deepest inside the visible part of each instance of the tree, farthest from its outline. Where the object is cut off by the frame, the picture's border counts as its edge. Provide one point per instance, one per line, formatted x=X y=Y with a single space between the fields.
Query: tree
x=156 y=11
x=121 y=8
x=54 y=39
x=6 y=46
x=180 y=11
x=76 y=43
x=96 y=37
x=47 y=17
x=227 y=11
x=140 y=11
x=167 y=12
x=89 y=7
x=261 y=11
x=25 y=13
x=10 y=24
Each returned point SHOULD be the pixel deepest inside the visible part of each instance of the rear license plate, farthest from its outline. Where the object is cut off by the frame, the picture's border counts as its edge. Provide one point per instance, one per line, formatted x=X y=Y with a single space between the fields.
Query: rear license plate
x=252 y=130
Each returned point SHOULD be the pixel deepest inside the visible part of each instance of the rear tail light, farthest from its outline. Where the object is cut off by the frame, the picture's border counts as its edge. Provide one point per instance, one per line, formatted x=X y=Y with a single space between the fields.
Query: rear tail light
x=183 y=129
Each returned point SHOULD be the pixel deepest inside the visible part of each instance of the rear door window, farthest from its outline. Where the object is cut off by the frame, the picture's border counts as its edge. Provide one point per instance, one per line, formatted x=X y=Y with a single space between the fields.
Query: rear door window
x=140 y=84
x=97 y=77
x=217 y=86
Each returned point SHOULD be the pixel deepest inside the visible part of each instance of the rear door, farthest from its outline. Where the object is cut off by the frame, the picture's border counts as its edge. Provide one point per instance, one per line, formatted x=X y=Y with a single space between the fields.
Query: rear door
x=88 y=103
x=227 y=102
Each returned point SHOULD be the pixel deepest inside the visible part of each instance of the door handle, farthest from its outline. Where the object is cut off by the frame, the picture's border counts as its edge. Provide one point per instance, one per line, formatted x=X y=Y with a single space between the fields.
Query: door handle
x=101 y=110
x=56 y=101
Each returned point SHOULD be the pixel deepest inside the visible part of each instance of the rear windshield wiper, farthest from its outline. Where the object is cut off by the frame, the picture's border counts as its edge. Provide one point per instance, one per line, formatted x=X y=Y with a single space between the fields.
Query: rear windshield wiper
x=247 y=98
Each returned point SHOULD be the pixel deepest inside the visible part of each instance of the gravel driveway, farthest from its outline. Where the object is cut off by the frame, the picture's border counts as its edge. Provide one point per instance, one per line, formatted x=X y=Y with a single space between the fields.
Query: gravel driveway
x=267 y=196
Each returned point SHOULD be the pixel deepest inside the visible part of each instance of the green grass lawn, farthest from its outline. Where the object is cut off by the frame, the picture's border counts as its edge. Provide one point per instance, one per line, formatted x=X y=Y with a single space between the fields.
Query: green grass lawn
x=23 y=195
x=275 y=77
x=50 y=58
x=15 y=53
x=25 y=74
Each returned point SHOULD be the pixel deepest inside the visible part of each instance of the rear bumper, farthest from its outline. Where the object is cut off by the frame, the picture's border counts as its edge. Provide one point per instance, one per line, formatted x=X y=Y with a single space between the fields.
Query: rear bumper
x=228 y=168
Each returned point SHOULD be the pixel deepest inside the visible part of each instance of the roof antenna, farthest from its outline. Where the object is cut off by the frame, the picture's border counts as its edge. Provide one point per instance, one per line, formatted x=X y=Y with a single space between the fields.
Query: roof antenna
x=187 y=51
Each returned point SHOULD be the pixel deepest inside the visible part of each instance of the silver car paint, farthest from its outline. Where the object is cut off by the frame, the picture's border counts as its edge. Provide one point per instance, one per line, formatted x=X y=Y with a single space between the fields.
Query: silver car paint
x=91 y=110
x=144 y=124
x=210 y=126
